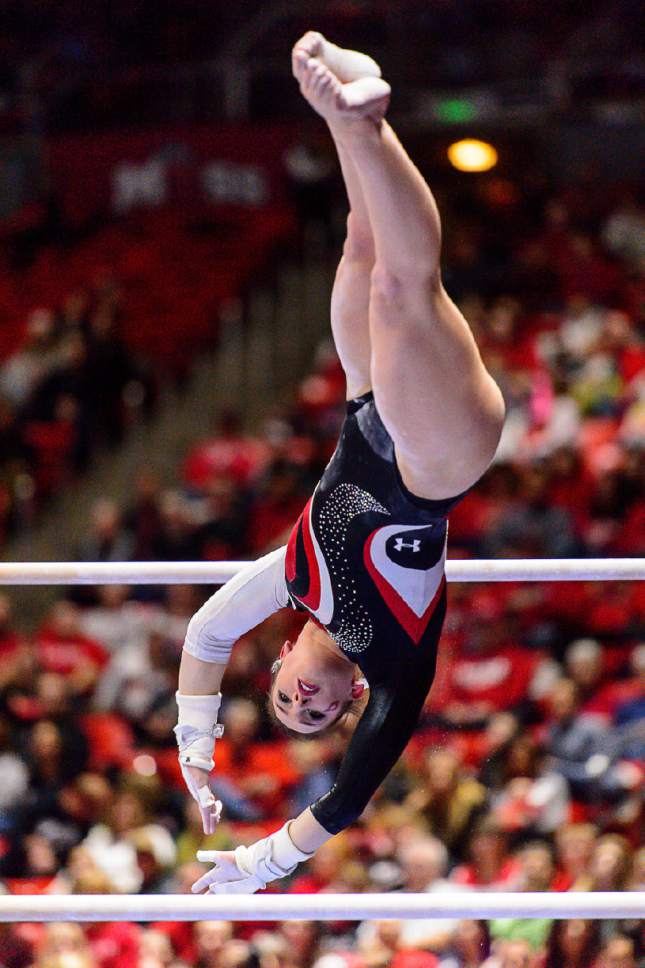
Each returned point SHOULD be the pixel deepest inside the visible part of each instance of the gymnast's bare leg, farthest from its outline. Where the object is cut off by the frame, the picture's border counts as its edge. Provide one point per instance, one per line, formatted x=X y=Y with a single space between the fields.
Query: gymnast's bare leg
x=440 y=405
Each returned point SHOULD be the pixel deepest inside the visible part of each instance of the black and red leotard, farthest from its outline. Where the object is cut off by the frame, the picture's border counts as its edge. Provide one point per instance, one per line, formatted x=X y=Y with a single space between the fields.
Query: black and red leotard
x=366 y=559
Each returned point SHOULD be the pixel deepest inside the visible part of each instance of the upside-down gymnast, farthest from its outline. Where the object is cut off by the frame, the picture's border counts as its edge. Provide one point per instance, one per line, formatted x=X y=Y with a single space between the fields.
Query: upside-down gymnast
x=366 y=558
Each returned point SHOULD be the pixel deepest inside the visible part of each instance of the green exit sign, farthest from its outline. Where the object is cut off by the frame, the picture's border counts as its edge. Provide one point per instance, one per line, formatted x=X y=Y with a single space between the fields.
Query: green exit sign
x=455 y=110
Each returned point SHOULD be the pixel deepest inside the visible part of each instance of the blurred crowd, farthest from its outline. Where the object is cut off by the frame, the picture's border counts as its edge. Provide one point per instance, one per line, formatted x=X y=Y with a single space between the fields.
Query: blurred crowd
x=55 y=413
x=526 y=773
x=99 y=65
x=93 y=329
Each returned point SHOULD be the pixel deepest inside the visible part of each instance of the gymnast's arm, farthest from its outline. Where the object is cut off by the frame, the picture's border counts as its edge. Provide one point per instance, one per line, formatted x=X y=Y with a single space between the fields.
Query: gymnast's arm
x=256 y=592
x=383 y=732
x=398 y=689
x=252 y=595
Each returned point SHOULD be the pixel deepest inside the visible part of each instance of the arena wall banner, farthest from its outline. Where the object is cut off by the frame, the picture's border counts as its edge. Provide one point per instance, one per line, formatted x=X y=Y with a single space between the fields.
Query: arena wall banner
x=115 y=172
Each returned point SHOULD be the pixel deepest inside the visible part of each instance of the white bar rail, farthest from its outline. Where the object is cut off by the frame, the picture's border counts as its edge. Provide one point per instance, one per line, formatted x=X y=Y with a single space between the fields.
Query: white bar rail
x=319 y=907
x=218 y=572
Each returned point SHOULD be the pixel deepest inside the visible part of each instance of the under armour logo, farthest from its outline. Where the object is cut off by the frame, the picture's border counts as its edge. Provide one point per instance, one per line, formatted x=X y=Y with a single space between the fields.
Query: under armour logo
x=414 y=545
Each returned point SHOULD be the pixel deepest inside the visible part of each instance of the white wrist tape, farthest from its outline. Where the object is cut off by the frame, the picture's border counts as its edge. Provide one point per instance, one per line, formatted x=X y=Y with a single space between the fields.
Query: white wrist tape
x=197 y=729
x=270 y=858
x=284 y=851
x=198 y=711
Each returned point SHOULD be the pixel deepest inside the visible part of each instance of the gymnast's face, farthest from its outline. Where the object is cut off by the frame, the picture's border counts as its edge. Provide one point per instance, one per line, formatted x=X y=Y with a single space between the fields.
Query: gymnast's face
x=314 y=684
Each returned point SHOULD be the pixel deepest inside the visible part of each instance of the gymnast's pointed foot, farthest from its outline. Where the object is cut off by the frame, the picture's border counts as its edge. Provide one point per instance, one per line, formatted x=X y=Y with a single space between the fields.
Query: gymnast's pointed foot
x=341 y=85
x=347 y=65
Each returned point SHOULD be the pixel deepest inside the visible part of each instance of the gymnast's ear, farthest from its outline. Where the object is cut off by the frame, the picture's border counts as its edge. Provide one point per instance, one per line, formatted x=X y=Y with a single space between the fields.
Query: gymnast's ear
x=286 y=649
x=358 y=688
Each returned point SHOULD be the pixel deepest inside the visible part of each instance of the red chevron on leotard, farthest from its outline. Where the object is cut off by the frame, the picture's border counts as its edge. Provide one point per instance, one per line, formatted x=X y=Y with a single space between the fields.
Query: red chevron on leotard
x=312 y=598
x=415 y=625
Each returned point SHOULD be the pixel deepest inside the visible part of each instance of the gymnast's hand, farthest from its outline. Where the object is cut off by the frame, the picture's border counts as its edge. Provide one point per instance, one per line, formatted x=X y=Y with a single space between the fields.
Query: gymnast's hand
x=196 y=733
x=210 y=809
x=246 y=870
x=226 y=877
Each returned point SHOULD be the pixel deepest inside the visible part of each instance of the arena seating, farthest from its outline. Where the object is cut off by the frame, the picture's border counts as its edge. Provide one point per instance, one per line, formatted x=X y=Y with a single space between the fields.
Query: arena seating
x=89 y=331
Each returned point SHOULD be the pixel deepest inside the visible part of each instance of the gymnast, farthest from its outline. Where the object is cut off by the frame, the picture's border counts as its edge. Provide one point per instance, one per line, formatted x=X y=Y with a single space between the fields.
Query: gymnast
x=366 y=558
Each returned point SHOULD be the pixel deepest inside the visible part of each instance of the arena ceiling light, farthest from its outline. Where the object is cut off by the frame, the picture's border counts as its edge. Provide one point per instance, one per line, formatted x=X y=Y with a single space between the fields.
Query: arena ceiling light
x=469 y=154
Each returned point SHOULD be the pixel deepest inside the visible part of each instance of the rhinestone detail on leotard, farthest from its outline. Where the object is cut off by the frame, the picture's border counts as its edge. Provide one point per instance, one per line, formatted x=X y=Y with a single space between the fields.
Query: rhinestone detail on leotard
x=343 y=504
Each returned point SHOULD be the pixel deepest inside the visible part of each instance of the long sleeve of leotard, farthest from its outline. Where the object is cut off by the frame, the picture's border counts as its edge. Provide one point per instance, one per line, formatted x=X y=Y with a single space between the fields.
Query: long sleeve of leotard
x=256 y=592
x=379 y=739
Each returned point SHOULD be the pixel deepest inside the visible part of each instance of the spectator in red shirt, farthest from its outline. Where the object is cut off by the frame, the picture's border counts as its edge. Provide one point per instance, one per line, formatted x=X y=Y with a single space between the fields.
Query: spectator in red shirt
x=55 y=445
x=62 y=647
x=228 y=453
x=16 y=951
x=570 y=484
x=489 y=674
x=279 y=502
x=385 y=947
x=583 y=270
x=115 y=944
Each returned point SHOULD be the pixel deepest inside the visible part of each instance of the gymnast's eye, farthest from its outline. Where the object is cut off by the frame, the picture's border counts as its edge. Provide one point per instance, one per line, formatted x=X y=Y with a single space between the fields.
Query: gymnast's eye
x=315 y=716
x=283 y=698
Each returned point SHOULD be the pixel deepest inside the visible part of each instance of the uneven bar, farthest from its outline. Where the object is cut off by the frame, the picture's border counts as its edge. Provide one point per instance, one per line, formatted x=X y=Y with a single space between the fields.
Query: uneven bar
x=319 y=907
x=218 y=572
